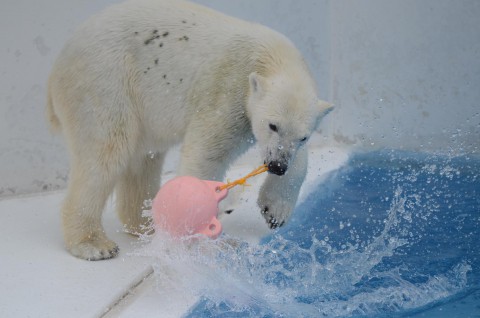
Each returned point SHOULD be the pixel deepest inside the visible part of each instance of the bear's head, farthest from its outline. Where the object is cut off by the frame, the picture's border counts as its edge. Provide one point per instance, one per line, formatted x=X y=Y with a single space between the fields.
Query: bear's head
x=284 y=112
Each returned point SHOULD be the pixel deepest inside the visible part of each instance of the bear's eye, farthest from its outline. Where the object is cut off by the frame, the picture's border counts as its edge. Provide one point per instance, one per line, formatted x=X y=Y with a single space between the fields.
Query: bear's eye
x=303 y=139
x=273 y=127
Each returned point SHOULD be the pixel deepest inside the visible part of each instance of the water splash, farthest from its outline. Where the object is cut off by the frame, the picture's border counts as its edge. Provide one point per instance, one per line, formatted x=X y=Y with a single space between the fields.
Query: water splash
x=283 y=279
x=341 y=272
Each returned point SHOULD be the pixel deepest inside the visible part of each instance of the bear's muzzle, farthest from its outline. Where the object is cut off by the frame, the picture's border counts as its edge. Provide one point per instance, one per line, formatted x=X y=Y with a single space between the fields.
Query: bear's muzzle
x=277 y=167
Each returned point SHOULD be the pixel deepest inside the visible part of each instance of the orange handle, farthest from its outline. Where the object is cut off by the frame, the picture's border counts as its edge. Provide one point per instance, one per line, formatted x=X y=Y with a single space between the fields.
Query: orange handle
x=243 y=180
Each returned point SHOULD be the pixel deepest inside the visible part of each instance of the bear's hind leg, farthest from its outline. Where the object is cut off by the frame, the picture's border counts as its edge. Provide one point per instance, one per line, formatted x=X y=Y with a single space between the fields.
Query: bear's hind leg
x=88 y=192
x=139 y=182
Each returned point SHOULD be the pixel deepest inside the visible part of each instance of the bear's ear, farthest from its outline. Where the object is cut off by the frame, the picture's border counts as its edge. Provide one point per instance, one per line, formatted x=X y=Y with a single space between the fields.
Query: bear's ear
x=257 y=83
x=324 y=107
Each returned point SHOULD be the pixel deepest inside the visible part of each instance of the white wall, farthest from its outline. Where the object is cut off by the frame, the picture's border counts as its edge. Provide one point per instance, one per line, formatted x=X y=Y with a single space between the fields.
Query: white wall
x=403 y=73
x=406 y=74
x=32 y=33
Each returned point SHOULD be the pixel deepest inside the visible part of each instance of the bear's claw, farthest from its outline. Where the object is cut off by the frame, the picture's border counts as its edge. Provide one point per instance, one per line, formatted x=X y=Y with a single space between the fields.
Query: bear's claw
x=272 y=222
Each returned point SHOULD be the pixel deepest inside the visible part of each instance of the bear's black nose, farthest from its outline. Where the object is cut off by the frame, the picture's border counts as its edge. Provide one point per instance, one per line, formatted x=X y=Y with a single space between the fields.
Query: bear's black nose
x=277 y=167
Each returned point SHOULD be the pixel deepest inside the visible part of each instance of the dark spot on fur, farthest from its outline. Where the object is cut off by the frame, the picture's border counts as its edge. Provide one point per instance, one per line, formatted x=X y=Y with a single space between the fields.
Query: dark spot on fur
x=229 y=211
x=148 y=68
x=144 y=72
x=184 y=21
x=183 y=38
x=155 y=31
x=168 y=83
x=165 y=34
x=181 y=80
x=164 y=75
x=150 y=40
x=136 y=33
x=161 y=44
x=156 y=61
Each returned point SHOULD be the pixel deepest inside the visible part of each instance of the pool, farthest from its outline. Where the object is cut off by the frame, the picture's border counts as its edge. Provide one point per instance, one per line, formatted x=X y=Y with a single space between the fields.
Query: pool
x=390 y=234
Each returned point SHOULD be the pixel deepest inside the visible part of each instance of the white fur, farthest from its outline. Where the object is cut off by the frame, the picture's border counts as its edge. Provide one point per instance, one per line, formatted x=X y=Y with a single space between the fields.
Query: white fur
x=145 y=75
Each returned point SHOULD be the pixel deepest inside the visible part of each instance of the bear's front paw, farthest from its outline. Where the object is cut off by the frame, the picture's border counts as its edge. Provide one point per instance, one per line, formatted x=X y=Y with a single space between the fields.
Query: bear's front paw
x=272 y=221
x=276 y=212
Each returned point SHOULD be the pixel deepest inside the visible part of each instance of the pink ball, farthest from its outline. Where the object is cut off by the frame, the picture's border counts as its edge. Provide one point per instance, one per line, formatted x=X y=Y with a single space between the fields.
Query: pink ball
x=186 y=206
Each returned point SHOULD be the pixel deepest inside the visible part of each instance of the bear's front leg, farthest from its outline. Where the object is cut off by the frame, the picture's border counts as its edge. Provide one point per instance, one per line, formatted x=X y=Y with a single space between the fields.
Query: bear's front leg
x=211 y=143
x=279 y=194
x=203 y=160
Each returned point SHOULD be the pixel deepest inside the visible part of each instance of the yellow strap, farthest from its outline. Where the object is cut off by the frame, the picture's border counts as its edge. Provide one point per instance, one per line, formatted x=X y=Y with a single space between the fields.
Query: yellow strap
x=243 y=180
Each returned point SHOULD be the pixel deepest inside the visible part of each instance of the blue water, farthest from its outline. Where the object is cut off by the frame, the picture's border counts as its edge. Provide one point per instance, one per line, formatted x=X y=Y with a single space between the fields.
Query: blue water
x=391 y=234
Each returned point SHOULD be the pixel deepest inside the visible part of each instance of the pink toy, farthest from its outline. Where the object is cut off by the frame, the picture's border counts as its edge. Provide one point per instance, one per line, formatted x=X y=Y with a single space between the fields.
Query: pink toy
x=187 y=205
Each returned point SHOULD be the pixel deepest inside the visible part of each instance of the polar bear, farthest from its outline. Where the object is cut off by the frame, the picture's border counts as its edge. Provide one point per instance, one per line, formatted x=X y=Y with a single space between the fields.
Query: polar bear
x=145 y=75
